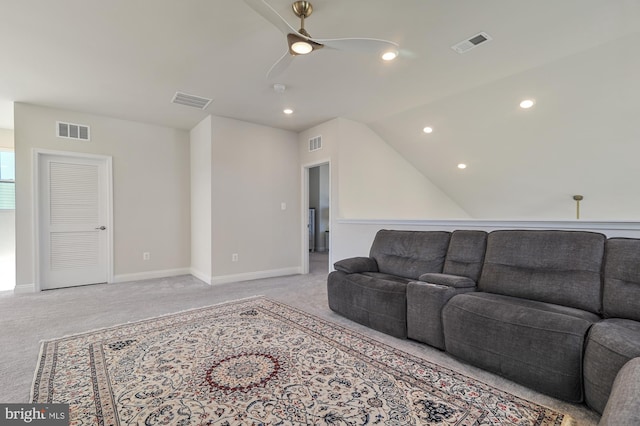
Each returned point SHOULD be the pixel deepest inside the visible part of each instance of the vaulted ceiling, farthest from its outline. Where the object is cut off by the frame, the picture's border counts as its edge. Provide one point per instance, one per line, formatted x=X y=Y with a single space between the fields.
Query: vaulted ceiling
x=577 y=58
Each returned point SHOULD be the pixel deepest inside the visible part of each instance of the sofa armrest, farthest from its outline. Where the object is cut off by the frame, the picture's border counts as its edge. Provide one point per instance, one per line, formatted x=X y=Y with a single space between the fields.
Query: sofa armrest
x=623 y=407
x=447 y=280
x=354 y=265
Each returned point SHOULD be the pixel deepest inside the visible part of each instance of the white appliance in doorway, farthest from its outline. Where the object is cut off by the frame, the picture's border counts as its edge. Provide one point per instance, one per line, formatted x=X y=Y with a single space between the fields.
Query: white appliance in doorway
x=74 y=219
x=312 y=230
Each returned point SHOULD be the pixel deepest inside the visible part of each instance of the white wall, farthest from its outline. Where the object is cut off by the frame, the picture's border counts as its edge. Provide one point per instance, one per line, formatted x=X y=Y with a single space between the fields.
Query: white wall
x=581 y=137
x=376 y=182
x=150 y=187
x=369 y=179
x=255 y=169
x=201 y=200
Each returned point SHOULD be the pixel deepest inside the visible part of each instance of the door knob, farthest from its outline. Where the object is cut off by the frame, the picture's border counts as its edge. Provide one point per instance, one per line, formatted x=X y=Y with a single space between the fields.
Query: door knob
x=101 y=228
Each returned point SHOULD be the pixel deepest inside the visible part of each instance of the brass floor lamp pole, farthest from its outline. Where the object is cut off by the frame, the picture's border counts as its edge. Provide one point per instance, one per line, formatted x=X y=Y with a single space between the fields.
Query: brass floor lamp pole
x=578 y=198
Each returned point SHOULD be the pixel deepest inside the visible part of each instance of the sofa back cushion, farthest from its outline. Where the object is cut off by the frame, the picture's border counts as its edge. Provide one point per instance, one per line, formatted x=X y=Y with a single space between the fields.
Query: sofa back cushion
x=621 y=297
x=561 y=267
x=466 y=254
x=409 y=254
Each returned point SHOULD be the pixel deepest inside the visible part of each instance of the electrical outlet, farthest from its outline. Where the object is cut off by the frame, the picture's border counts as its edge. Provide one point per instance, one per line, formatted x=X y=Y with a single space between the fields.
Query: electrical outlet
x=234 y=257
x=146 y=256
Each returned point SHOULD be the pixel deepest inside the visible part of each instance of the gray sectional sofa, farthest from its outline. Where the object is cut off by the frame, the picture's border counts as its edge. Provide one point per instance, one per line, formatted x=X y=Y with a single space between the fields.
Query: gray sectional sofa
x=557 y=311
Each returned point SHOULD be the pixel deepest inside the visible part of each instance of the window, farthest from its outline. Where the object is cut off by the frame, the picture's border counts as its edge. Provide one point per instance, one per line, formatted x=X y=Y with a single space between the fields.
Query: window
x=7 y=181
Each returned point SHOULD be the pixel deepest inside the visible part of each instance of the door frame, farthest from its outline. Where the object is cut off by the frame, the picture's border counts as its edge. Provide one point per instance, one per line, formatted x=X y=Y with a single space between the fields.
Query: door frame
x=37 y=155
x=305 y=211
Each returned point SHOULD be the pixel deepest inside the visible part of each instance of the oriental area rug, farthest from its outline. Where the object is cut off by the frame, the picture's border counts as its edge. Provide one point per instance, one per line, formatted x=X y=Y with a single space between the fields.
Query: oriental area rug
x=260 y=362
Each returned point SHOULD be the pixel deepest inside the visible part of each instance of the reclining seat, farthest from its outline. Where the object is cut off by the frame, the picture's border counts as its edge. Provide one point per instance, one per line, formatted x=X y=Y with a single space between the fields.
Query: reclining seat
x=427 y=297
x=372 y=290
x=539 y=293
x=616 y=340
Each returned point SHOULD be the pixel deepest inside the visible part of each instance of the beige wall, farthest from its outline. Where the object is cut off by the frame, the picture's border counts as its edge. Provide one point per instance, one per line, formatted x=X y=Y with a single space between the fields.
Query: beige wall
x=151 y=188
x=254 y=170
x=201 y=200
x=6 y=138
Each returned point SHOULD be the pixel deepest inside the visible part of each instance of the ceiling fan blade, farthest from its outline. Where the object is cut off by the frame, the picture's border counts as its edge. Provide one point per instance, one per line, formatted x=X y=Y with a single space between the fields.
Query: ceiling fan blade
x=360 y=45
x=263 y=9
x=280 y=65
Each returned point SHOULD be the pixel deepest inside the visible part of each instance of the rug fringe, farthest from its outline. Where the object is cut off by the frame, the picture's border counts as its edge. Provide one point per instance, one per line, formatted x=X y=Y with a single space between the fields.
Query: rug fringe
x=35 y=373
x=569 y=421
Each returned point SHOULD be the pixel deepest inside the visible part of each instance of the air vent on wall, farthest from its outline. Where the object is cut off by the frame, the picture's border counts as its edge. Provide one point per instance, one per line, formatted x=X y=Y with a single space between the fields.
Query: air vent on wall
x=466 y=45
x=315 y=143
x=190 y=100
x=72 y=131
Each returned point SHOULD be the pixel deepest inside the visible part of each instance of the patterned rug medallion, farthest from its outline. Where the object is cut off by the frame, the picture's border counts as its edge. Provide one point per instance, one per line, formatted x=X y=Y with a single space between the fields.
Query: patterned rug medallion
x=259 y=362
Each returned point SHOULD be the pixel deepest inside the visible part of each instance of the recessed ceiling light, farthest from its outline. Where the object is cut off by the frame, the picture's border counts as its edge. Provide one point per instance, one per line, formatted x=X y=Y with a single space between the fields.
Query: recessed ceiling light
x=390 y=55
x=427 y=129
x=288 y=111
x=527 y=103
x=462 y=166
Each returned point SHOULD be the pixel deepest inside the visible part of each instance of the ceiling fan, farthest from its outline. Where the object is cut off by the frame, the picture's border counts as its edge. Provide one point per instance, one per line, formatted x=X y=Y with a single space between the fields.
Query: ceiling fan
x=300 y=41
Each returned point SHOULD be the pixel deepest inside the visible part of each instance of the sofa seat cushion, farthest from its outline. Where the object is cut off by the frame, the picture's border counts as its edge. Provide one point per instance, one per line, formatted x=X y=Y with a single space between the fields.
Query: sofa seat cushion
x=376 y=300
x=610 y=345
x=537 y=344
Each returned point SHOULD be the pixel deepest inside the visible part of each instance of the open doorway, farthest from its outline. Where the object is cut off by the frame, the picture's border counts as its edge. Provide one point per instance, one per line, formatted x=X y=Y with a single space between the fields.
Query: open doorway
x=317 y=211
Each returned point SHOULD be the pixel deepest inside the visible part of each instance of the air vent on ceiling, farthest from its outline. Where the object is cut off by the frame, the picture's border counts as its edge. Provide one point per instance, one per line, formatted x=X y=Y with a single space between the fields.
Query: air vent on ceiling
x=72 y=131
x=315 y=143
x=190 y=100
x=466 y=45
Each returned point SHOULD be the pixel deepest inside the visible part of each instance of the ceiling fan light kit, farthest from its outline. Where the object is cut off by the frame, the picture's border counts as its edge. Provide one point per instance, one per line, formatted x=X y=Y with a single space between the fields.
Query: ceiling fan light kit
x=300 y=42
x=301 y=46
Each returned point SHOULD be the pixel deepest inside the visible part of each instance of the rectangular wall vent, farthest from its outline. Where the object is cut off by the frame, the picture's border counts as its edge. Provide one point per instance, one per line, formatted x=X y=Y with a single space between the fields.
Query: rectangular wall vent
x=72 y=131
x=466 y=45
x=315 y=143
x=190 y=100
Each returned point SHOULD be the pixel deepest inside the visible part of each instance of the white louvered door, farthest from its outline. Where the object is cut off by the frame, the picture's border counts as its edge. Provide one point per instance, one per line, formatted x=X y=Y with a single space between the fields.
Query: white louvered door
x=73 y=221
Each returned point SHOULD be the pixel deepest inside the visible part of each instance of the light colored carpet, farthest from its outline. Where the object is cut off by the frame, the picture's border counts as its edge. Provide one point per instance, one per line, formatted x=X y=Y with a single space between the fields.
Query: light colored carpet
x=26 y=319
x=256 y=361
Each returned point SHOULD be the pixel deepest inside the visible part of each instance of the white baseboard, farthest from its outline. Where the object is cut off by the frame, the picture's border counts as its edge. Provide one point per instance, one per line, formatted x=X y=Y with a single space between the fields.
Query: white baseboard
x=138 y=276
x=201 y=276
x=224 y=279
x=25 y=288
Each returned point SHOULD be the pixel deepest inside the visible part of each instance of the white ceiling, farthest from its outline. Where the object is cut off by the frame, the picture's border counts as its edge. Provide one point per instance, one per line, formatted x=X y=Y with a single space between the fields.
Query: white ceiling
x=126 y=59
